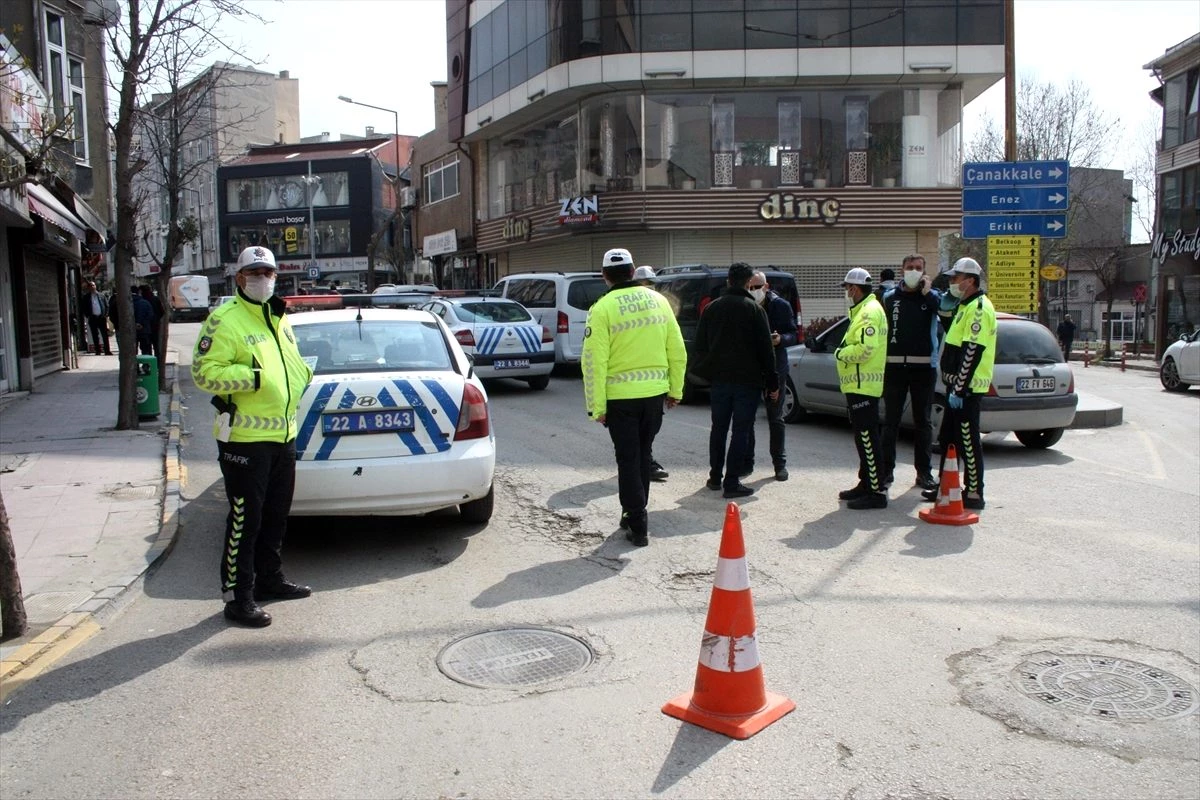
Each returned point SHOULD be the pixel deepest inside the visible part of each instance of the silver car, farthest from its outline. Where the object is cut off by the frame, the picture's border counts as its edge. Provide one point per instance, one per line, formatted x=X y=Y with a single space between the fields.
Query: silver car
x=1032 y=392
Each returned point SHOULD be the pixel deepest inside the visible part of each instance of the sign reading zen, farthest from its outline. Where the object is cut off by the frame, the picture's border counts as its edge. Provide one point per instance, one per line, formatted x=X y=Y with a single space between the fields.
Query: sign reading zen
x=574 y=210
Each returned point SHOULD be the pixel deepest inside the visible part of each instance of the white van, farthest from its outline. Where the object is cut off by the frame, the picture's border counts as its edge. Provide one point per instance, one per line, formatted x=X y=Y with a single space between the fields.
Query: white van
x=558 y=300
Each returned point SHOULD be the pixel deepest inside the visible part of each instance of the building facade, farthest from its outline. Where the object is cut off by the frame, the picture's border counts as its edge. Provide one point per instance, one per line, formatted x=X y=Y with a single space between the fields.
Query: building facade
x=806 y=136
x=1176 y=244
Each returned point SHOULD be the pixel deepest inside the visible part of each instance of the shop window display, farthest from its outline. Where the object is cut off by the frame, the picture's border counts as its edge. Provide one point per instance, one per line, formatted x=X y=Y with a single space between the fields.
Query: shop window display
x=290 y=240
x=288 y=191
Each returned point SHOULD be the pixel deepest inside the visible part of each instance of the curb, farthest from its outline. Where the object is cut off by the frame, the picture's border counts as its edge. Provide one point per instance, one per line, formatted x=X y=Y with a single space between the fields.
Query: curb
x=30 y=659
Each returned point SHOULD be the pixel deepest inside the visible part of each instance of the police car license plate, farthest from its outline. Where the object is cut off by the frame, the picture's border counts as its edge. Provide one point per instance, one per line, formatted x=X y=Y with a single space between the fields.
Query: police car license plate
x=510 y=363
x=367 y=422
x=1034 y=385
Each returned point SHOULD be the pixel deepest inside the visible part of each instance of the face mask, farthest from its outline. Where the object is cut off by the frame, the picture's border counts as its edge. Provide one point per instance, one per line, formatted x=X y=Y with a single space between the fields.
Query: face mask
x=758 y=294
x=956 y=290
x=912 y=278
x=259 y=288
x=849 y=298
x=887 y=285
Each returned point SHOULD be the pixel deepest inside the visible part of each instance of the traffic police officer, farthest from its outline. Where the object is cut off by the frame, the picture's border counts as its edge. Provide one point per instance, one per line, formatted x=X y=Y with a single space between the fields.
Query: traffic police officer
x=860 y=364
x=633 y=363
x=246 y=357
x=967 y=360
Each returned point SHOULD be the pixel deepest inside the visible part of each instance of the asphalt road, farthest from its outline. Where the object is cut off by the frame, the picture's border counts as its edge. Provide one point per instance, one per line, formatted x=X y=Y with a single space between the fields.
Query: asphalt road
x=903 y=644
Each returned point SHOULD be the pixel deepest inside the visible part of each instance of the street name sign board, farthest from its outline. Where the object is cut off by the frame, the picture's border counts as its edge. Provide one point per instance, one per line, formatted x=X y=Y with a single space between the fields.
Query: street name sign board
x=1050 y=226
x=1039 y=198
x=1012 y=274
x=998 y=174
x=1009 y=198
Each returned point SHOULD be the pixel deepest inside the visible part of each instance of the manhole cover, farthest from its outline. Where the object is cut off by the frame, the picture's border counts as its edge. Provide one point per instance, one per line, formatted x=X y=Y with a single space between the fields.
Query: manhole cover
x=1105 y=687
x=513 y=658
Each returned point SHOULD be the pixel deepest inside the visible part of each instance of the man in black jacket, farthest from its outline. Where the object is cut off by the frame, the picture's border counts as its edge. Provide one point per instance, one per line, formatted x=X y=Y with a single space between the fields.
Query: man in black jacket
x=95 y=309
x=733 y=351
x=784 y=334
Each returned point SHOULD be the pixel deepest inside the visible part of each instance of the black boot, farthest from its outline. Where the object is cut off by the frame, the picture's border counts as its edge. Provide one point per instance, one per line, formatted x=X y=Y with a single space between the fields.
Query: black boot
x=283 y=590
x=246 y=612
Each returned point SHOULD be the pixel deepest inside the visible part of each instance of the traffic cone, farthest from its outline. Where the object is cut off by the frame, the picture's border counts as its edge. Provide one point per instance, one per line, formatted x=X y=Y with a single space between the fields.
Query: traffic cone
x=729 y=696
x=949 y=507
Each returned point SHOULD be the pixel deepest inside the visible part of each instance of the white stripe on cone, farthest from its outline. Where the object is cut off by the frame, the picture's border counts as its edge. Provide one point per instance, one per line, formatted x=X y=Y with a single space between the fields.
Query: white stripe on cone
x=951 y=496
x=732 y=575
x=727 y=654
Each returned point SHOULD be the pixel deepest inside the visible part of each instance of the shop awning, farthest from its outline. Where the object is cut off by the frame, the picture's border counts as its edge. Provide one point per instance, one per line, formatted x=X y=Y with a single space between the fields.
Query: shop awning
x=48 y=207
x=90 y=218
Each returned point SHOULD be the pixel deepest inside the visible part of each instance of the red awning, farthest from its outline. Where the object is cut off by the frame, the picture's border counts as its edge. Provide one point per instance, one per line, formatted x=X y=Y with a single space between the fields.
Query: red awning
x=48 y=207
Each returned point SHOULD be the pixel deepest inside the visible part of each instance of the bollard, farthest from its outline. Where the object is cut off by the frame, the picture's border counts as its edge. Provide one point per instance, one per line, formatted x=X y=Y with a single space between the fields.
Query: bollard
x=1124 y=350
x=1087 y=354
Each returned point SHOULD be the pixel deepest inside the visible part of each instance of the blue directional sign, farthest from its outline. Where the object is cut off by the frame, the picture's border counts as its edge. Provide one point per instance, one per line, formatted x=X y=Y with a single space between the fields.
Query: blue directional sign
x=1050 y=226
x=998 y=174
x=1038 y=198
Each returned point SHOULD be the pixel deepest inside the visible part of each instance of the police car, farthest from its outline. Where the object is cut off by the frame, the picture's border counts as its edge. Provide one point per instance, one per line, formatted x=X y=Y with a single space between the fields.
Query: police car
x=501 y=336
x=395 y=420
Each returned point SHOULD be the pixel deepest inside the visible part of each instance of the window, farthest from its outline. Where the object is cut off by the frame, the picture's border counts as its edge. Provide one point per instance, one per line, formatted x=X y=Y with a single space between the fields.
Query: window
x=78 y=109
x=1191 y=111
x=1120 y=325
x=1054 y=289
x=64 y=76
x=441 y=180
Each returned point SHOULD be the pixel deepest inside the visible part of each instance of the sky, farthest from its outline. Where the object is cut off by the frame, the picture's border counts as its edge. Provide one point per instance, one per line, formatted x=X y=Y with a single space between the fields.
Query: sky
x=391 y=59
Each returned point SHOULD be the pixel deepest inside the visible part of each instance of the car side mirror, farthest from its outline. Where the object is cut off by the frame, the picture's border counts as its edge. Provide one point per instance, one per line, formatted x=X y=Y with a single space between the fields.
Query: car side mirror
x=815 y=345
x=1184 y=337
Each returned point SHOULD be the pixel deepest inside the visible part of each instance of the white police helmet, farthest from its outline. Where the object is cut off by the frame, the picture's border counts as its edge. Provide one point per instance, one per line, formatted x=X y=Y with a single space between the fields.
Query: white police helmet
x=966 y=266
x=643 y=274
x=857 y=277
x=256 y=257
x=617 y=257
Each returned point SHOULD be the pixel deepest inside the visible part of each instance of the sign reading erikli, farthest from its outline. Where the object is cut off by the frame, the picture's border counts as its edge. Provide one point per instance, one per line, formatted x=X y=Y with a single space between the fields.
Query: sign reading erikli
x=779 y=206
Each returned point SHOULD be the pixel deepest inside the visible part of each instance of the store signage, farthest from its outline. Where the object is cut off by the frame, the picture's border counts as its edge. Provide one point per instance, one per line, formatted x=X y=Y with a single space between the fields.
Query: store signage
x=1179 y=244
x=439 y=244
x=576 y=210
x=516 y=230
x=287 y=220
x=790 y=208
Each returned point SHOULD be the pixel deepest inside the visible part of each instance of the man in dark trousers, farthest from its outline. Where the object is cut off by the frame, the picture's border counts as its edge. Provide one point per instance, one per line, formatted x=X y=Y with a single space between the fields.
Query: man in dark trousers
x=733 y=351
x=861 y=358
x=1066 y=335
x=912 y=349
x=784 y=334
x=95 y=310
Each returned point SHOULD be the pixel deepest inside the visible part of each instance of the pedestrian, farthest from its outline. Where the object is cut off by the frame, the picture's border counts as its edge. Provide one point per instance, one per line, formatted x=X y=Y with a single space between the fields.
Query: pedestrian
x=156 y=323
x=887 y=282
x=143 y=323
x=733 y=352
x=246 y=357
x=95 y=310
x=645 y=277
x=784 y=333
x=1066 y=335
x=914 y=335
x=966 y=361
x=860 y=363
x=633 y=365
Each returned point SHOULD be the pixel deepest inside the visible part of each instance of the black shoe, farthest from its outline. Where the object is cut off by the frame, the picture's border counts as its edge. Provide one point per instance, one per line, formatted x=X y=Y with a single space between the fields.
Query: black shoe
x=638 y=539
x=872 y=500
x=926 y=482
x=931 y=494
x=714 y=484
x=857 y=491
x=281 y=591
x=738 y=490
x=624 y=521
x=781 y=473
x=888 y=481
x=245 y=612
x=657 y=473
x=973 y=503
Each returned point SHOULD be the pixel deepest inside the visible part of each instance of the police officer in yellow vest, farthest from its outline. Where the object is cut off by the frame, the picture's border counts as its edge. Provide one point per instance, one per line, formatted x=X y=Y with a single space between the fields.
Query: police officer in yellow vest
x=633 y=364
x=246 y=357
x=861 y=359
x=967 y=360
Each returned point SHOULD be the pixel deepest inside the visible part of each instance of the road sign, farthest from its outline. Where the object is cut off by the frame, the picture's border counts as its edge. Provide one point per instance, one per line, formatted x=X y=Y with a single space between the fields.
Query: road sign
x=314 y=272
x=1038 y=198
x=1053 y=273
x=1012 y=272
x=1015 y=173
x=1139 y=293
x=1050 y=226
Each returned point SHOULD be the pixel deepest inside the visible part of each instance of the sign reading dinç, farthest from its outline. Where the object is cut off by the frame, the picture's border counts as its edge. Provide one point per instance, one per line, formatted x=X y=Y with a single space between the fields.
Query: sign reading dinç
x=780 y=206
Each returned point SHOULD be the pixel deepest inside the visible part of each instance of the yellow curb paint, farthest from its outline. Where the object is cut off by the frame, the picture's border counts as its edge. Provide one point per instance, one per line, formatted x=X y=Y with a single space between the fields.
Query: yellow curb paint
x=50 y=635
x=26 y=652
x=80 y=634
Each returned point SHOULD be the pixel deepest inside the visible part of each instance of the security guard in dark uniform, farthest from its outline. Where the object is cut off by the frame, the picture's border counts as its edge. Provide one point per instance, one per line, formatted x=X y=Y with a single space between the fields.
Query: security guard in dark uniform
x=247 y=358
x=967 y=361
x=860 y=363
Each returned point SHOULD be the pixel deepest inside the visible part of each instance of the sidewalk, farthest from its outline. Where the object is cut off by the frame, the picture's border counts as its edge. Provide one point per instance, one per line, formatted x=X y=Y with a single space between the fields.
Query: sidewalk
x=90 y=508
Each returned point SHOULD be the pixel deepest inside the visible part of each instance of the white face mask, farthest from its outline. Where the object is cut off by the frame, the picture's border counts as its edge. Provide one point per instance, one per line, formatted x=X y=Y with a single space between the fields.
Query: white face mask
x=956 y=289
x=849 y=298
x=912 y=278
x=259 y=288
x=758 y=294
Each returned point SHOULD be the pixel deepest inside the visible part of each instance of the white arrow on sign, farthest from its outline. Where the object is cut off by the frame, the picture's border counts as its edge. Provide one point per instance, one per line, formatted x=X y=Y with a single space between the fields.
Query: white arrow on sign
x=1055 y=225
x=1056 y=173
x=1057 y=198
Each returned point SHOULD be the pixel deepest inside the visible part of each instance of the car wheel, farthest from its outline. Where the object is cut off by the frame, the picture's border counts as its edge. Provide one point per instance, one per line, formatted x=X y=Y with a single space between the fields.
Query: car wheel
x=479 y=511
x=1168 y=375
x=791 y=410
x=1040 y=440
x=539 y=383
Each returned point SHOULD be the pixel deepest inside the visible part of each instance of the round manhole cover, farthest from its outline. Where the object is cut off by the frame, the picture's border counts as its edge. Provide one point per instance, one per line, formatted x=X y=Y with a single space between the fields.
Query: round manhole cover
x=513 y=658
x=1105 y=687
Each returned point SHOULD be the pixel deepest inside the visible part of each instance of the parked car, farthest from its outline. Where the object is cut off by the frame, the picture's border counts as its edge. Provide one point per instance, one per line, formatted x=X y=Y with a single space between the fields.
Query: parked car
x=690 y=288
x=558 y=300
x=1180 y=366
x=220 y=301
x=500 y=336
x=1032 y=392
x=395 y=421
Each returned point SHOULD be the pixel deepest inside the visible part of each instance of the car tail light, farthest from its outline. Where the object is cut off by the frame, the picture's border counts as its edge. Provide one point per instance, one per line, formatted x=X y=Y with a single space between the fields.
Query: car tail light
x=1071 y=386
x=473 y=416
x=704 y=301
x=564 y=325
x=547 y=336
x=465 y=338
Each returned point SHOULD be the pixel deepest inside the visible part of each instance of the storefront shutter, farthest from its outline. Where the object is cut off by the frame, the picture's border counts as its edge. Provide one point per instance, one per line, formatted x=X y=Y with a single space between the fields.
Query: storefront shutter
x=646 y=248
x=568 y=256
x=714 y=248
x=45 y=326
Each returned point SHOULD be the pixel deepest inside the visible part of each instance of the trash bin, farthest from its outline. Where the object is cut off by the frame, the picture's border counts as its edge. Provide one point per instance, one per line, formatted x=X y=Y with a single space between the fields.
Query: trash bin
x=147 y=387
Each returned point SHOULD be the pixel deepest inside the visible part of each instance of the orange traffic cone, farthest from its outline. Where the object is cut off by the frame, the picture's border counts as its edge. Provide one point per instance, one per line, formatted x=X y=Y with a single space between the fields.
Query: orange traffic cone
x=949 y=508
x=729 y=696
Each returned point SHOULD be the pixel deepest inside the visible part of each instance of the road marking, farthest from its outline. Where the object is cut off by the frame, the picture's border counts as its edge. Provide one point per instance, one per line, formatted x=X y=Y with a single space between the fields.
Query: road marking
x=48 y=657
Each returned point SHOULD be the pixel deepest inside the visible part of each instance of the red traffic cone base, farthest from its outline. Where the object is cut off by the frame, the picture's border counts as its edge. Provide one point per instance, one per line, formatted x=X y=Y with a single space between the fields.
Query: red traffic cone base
x=949 y=508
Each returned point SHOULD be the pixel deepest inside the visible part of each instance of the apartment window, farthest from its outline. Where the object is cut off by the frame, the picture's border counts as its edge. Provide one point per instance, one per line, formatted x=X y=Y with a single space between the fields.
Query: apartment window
x=78 y=108
x=441 y=180
x=1191 y=112
x=1054 y=289
x=64 y=76
x=1120 y=325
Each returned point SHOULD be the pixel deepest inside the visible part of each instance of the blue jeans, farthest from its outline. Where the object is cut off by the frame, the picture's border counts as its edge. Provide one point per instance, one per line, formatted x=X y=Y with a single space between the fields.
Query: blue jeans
x=736 y=403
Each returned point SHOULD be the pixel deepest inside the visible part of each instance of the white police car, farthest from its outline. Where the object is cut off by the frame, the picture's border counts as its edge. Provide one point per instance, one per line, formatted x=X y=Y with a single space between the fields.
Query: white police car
x=500 y=335
x=395 y=421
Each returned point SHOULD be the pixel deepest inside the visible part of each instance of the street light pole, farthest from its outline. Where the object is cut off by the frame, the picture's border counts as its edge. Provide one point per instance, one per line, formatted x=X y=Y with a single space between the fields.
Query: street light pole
x=397 y=246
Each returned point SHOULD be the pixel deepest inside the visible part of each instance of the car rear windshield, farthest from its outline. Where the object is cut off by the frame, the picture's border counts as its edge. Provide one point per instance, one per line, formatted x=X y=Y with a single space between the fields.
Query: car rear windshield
x=491 y=312
x=372 y=346
x=1023 y=342
x=582 y=293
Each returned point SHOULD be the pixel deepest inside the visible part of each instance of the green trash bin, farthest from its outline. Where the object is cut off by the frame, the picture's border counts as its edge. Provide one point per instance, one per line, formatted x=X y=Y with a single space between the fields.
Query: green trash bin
x=147 y=387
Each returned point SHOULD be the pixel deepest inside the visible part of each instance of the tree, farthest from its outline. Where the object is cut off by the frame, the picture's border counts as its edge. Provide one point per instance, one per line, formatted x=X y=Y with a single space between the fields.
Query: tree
x=13 y=621
x=1145 y=182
